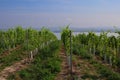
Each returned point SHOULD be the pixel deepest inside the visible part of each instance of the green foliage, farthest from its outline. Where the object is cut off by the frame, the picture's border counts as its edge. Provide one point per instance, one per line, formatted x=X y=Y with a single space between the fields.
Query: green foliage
x=11 y=38
x=114 y=76
x=104 y=46
x=54 y=45
x=105 y=71
x=89 y=76
x=118 y=62
x=11 y=58
x=53 y=64
x=65 y=37
x=75 y=48
x=45 y=65
x=79 y=50
x=28 y=38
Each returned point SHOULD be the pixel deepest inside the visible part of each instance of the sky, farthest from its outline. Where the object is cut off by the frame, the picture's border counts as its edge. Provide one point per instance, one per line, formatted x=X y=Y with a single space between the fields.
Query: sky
x=58 y=13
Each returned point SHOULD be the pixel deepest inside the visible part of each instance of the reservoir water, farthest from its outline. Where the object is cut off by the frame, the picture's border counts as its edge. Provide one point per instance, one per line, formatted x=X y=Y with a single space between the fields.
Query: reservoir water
x=97 y=33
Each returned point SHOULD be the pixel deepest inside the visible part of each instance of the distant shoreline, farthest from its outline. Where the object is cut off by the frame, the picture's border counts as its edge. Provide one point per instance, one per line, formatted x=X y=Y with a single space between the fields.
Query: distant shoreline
x=58 y=30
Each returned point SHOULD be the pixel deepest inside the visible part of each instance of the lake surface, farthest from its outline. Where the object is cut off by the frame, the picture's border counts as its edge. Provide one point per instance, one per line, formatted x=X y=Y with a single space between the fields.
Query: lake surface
x=97 y=33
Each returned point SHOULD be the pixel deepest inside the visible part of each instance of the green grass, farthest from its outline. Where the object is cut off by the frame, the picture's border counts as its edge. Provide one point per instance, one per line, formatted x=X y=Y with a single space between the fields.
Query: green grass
x=44 y=67
x=11 y=58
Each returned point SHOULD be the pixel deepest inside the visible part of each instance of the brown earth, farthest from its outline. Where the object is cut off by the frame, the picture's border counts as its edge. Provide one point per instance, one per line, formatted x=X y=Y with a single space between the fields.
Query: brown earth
x=64 y=74
x=80 y=68
x=13 y=68
x=6 y=52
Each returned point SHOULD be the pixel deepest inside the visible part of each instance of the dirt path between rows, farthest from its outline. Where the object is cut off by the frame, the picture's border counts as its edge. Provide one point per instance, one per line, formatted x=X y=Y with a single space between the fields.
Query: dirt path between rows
x=13 y=68
x=81 y=69
x=64 y=74
x=5 y=53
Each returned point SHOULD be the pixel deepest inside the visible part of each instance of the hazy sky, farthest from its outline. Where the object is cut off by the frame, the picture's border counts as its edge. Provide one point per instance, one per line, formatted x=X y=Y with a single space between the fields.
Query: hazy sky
x=57 y=13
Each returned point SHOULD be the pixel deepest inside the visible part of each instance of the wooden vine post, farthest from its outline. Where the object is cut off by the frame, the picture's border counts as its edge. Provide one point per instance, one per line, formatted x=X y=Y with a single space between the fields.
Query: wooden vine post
x=71 y=53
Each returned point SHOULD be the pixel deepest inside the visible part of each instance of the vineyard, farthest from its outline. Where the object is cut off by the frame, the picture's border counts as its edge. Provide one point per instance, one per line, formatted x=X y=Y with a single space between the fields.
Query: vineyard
x=29 y=54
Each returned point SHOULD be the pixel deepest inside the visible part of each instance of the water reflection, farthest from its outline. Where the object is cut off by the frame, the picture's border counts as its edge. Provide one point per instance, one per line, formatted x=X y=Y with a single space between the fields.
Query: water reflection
x=97 y=33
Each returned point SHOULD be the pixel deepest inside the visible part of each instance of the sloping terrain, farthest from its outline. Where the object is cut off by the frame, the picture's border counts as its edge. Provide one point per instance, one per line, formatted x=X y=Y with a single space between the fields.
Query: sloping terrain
x=13 y=68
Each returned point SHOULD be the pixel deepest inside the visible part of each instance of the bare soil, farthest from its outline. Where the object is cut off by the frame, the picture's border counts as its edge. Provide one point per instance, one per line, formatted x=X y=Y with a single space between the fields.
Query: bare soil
x=5 y=53
x=65 y=74
x=80 y=68
x=13 y=68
